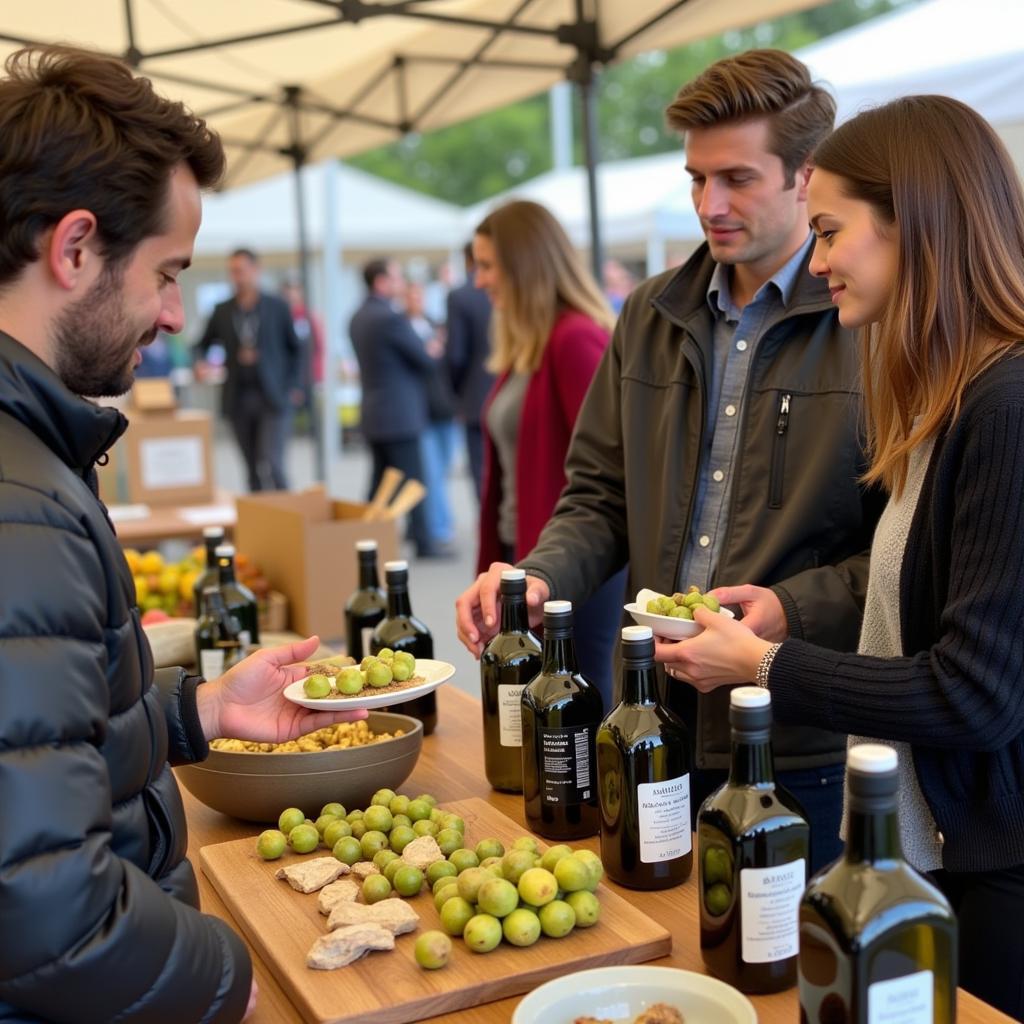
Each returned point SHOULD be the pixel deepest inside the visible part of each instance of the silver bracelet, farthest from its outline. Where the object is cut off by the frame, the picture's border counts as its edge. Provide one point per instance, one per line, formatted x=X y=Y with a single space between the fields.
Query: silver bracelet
x=764 y=666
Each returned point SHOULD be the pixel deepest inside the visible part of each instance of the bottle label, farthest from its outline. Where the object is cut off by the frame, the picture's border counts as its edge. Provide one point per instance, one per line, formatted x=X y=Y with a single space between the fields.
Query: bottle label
x=567 y=772
x=906 y=1000
x=367 y=634
x=664 y=813
x=211 y=663
x=769 y=911
x=510 y=715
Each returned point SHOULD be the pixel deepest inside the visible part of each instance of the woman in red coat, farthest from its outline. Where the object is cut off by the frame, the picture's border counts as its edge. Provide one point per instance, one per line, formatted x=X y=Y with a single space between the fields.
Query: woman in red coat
x=551 y=326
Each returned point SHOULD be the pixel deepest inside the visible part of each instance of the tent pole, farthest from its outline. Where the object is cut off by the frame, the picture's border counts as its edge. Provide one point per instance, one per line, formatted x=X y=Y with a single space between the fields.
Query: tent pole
x=588 y=122
x=298 y=157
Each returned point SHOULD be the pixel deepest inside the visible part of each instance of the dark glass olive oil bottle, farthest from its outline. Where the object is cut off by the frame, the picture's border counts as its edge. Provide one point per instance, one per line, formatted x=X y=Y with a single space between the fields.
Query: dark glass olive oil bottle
x=643 y=766
x=878 y=941
x=753 y=852
x=508 y=663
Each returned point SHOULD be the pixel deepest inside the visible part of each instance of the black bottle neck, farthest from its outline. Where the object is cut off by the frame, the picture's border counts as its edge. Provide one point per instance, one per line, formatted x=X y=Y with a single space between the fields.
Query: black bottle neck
x=559 y=652
x=226 y=570
x=398 y=602
x=873 y=827
x=368 y=578
x=212 y=543
x=751 y=762
x=513 y=614
x=639 y=682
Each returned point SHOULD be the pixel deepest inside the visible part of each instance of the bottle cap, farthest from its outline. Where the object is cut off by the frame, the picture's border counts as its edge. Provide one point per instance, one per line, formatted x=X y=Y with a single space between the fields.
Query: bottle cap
x=513 y=575
x=750 y=697
x=224 y=550
x=872 y=759
x=366 y=545
x=399 y=565
x=632 y=634
x=211 y=532
x=558 y=607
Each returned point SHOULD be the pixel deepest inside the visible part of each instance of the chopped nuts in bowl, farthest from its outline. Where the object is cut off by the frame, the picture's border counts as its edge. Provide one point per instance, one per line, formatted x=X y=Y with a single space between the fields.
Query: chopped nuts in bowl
x=346 y=763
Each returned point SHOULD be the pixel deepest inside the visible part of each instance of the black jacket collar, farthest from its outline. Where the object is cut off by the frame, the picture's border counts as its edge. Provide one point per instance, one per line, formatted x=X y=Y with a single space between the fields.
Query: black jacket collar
x=685 y=292
x=78 y=431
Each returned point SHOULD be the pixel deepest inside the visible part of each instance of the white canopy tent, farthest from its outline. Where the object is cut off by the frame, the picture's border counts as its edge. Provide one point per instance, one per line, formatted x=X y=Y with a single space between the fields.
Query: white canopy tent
x=374 y=215
x=972 y=50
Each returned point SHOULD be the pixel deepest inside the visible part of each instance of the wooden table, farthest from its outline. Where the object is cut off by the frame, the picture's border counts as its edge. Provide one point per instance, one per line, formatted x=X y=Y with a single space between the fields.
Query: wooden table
x=451 y=768
x=166 y=522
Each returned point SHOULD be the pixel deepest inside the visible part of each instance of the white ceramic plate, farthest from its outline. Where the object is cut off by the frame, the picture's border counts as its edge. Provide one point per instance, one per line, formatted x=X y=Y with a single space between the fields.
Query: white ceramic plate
x=434 y=673
x=622 y=993
x=664 y=625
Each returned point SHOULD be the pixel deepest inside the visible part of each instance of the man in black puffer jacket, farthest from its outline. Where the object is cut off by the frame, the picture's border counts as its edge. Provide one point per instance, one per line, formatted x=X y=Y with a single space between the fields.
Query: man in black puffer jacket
x=99 y=205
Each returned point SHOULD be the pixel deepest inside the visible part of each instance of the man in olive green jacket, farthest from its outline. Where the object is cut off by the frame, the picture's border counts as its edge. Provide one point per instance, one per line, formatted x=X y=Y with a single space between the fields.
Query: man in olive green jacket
x=719 y=441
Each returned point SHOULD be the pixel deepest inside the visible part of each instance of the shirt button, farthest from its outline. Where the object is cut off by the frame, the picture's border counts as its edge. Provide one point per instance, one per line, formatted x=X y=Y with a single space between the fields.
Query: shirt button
x=741 y=345
x=730 y=410
x=718 y=476
x=704 y=541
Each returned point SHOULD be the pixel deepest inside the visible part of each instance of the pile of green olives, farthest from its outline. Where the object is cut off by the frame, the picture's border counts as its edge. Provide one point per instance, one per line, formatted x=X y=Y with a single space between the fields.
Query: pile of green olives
x=489 y=893
x=680 y=606
x=379 y=833
x=375 y=671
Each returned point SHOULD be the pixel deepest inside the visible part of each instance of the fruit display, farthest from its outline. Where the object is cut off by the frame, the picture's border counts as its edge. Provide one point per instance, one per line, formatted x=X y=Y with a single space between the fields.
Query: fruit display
x=168 y=586
x=680 y=606
x=386 y=670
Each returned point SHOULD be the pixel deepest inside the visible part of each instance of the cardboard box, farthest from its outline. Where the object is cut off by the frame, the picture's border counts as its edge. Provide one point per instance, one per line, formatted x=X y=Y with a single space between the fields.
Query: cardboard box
x=305 y=545
x=168 y=459
x=153 y=394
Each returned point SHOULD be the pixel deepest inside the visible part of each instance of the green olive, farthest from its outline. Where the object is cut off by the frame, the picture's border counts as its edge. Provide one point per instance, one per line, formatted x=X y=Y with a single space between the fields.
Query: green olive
x=350 y=681
x=271 y=844
x=432 y=950
x=482 y=933
x=316 y=687
x=375 y=888
x=304 y=838
x=289 y=819
x=408 y=881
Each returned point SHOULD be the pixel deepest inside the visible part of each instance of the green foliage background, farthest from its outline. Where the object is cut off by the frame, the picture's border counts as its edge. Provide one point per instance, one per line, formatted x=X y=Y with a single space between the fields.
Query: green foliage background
x=479 y=158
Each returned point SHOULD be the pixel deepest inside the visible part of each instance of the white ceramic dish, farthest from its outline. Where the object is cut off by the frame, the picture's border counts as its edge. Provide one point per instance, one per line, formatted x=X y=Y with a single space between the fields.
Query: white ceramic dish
x=434 y=673
x=620 y=994
x=664 y=625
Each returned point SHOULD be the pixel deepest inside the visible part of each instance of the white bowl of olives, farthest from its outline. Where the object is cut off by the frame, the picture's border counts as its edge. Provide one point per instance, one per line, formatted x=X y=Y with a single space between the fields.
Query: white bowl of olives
x=671 y=615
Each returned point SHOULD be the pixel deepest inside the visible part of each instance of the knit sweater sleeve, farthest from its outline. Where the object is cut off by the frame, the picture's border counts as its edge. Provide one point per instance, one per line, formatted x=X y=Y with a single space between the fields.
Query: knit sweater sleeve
x=966 y=690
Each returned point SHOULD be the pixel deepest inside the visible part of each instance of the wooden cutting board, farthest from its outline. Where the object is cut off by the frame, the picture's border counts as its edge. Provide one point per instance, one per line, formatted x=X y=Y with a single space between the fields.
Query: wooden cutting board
x=389 y=987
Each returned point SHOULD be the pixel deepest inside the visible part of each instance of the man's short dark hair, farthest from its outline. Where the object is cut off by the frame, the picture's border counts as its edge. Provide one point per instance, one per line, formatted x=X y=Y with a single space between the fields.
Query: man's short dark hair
x=78 y=130
x=244 y=253
x=373 y=270
x=467 y=254
x=769 y=84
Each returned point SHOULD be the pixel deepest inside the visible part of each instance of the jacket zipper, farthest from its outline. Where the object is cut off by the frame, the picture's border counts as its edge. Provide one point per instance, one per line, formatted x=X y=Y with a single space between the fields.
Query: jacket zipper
x=778 y=465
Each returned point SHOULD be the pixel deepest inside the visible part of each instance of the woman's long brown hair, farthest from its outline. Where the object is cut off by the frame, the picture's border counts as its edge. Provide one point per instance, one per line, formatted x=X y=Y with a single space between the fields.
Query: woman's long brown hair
x=542 y=274
x=935 y=169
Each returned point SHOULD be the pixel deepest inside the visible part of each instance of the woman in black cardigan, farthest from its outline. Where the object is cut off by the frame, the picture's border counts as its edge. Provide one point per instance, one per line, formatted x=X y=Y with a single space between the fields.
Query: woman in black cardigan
x=919 y=223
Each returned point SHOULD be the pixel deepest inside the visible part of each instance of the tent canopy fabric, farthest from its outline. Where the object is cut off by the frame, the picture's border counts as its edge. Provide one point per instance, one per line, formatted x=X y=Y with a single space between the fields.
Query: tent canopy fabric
x=281 y=79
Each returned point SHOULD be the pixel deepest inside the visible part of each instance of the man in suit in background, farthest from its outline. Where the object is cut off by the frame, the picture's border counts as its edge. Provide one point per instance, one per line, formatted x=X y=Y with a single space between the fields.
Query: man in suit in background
x=394 y=365
x=469 y=346
x=264 y=361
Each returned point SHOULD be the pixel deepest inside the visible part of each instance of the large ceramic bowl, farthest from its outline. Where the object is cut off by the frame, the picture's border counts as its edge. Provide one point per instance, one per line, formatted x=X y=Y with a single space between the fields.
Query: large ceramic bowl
x=258 y=787
x=620 y=994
